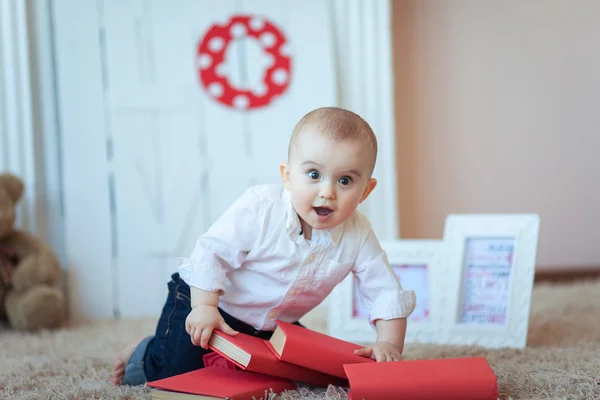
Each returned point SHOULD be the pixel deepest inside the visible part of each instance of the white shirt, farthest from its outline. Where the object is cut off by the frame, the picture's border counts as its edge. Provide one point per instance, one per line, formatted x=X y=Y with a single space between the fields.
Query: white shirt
x=255 y=255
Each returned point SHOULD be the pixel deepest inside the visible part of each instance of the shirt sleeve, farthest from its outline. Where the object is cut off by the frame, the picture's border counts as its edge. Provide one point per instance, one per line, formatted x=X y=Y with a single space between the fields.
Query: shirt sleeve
x=378 y=286
x=223 y=247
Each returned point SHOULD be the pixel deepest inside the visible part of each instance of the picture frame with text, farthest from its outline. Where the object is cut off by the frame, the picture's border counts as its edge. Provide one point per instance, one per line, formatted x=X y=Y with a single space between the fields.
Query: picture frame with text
x=490 y=265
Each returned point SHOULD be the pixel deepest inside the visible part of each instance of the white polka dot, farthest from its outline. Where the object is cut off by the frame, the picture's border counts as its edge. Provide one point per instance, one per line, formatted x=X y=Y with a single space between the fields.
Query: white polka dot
x=238 y=30
x=284 y=50
x=260 y=89
x=280 y=76
x=257 y=23
x=241 y=101
x=204 y=60
x=216 y=89
x=216 y=43
x=267 y=39
x=269 y=60
x=221 y=69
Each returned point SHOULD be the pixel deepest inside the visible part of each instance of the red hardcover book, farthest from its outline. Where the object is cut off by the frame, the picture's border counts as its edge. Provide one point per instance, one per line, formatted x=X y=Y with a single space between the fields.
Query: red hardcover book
x=469 y=378
x=314 y=350
x=218 y=383
x=250 y=354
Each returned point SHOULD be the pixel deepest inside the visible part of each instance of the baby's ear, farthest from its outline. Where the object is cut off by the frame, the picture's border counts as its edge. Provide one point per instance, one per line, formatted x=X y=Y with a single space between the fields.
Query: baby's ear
x=372 y=182
x=285 y=174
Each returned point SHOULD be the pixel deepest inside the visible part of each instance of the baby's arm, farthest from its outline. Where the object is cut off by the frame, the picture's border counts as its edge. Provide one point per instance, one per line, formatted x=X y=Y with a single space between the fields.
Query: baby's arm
x=221 y=250
x=205 y=317
x=390 y=341
x=392 y=331
x=388 y=303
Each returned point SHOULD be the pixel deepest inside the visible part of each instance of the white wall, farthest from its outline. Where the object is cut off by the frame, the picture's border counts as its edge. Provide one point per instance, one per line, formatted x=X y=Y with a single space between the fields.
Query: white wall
x=138 y=132
x=498 y=110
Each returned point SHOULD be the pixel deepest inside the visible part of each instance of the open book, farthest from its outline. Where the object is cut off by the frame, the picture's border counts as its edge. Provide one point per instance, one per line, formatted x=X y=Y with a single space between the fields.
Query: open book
x=250 y=353
x=314 y=350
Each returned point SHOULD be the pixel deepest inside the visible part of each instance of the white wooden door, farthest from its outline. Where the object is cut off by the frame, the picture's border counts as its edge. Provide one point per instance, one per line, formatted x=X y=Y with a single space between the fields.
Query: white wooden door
x=150 y=157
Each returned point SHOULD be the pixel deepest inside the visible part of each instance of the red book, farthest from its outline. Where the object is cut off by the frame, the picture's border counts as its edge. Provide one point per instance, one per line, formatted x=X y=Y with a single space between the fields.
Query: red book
x=311 y=349
x=469 y=378
x=218 y=383
x=250 y=354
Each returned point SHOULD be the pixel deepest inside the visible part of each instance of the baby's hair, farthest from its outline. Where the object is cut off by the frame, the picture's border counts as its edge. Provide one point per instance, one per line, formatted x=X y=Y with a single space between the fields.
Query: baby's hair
x=337 y=124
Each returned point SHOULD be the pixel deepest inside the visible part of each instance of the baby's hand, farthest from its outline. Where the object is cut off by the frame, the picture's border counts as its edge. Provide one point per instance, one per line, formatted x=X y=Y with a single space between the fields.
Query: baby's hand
x=381 y=351
x=201 y=322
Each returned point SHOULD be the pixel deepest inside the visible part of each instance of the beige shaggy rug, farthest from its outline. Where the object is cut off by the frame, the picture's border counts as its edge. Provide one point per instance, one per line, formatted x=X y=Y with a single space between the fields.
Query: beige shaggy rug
x=561 y=361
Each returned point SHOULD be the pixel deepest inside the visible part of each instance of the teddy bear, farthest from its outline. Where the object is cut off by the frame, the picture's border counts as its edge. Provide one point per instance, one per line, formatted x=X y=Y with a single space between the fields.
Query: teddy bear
x=30 y=297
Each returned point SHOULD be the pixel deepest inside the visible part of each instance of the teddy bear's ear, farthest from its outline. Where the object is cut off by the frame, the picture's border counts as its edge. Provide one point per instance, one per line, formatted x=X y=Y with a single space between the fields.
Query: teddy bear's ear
x=13 y=185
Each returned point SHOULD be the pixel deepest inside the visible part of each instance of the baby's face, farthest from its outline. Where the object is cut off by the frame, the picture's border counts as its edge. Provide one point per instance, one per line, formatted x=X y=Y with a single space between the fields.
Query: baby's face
x=327 y=179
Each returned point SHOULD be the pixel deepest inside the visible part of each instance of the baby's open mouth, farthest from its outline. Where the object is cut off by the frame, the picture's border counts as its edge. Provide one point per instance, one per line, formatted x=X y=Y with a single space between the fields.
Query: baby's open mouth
x=323 y=211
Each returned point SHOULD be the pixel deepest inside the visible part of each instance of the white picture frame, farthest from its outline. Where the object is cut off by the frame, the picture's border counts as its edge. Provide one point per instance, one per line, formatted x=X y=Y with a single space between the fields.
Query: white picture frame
x=501 y=250
x=417 y=264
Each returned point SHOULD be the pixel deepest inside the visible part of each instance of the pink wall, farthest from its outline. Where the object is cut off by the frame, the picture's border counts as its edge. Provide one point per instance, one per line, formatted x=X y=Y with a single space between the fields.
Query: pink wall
x=498 y=110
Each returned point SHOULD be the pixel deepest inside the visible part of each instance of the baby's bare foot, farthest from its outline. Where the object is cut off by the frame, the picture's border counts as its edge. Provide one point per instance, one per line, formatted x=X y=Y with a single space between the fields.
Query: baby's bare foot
x=121 y=362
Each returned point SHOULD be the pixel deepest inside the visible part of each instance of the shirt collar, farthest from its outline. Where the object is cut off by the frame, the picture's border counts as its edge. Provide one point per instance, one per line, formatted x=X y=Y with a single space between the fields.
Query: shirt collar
x=293 y=226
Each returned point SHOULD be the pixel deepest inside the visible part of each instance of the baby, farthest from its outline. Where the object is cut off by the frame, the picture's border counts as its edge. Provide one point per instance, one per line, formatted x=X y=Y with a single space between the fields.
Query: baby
x=277 y=252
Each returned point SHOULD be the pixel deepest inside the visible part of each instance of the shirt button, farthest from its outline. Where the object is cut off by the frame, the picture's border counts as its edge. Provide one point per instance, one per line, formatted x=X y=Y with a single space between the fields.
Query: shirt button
x=310 y=258
x=292 y=292
x=272 y=314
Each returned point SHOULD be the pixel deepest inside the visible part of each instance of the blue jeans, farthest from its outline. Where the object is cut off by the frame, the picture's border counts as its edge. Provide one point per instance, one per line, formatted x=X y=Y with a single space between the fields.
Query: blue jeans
x=170 y=350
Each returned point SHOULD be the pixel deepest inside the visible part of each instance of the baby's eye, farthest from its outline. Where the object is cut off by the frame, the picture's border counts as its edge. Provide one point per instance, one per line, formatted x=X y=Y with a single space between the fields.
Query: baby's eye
x=314 y=174
x=345 y=180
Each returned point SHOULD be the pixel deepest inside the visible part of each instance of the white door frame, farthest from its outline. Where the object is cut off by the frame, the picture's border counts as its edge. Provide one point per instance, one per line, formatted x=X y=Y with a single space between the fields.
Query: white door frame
x=363 y=43
x=17 y=147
